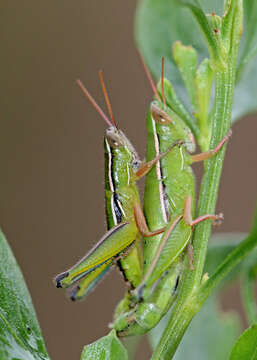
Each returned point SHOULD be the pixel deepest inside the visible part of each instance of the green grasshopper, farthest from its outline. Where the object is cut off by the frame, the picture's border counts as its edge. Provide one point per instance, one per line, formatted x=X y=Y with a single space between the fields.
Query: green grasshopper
x=168 y=202
x=125 y=217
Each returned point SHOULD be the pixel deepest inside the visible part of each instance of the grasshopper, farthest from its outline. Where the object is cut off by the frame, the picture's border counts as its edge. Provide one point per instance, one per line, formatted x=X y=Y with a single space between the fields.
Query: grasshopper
x=169 y=202
x=125 y=217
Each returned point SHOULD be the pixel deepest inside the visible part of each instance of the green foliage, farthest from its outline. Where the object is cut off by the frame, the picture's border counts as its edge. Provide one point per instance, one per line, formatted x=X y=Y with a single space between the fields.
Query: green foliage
x=20 y=334
x=160 y=23
x=186 y=60
x=203 y=87
x=246 y=346
x=107 y=348
x=210 y=335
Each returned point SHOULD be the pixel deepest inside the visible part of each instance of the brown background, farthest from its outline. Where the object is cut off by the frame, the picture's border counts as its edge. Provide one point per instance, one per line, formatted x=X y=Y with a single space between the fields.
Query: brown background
x=51 y=151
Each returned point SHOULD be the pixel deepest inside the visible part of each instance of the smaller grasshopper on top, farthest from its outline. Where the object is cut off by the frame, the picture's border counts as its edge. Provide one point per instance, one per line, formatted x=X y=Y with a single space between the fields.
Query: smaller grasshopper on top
x=169 y=202
x=125 y=217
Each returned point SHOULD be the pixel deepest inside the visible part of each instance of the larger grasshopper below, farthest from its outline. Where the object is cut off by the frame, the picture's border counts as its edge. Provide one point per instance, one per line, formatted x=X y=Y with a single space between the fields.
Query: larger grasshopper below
x=168 y=201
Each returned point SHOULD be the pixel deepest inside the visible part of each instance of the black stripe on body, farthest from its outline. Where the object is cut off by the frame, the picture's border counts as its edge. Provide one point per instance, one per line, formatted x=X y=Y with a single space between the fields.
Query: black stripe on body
x=117 y=210
x=176 y=285
x=115 y=203
x=116 y=207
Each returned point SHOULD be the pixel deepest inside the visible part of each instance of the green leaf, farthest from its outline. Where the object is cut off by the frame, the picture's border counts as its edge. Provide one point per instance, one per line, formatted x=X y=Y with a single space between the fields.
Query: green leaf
x=186 y=60
x=203 y=85
x=246 y=346
x=107 y=348
x=20 y=334
x=210 y=335
x=159 y=23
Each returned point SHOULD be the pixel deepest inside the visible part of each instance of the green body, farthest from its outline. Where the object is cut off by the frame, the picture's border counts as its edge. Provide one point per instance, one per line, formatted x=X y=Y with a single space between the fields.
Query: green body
x=121 y=196
x=167 y=186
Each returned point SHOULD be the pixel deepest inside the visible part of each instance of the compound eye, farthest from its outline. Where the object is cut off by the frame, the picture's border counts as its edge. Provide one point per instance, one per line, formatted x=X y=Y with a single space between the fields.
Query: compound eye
x=113 y=143
x=160 y=116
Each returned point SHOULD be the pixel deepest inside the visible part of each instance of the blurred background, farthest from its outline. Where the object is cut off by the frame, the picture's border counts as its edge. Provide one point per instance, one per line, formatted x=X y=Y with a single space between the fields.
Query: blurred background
x=51 y=152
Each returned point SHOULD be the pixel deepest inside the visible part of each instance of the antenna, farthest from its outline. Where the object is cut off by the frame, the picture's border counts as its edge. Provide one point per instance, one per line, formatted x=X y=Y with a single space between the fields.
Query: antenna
x=162 y=78
x=149 y=77
x=107 y=100
x=93 y=102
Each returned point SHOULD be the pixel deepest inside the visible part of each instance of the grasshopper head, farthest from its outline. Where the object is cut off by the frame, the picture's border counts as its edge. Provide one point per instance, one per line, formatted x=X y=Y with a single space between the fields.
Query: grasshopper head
x=117 y=142
x=172 y=124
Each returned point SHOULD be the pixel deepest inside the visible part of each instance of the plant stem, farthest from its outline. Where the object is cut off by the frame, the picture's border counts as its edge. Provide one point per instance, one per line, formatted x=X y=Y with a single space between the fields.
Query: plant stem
x=186 y=307
x=188 y=303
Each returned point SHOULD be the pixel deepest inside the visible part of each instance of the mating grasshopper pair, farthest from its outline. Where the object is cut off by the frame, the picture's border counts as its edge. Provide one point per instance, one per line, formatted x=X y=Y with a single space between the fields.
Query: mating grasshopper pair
x=152 y=268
